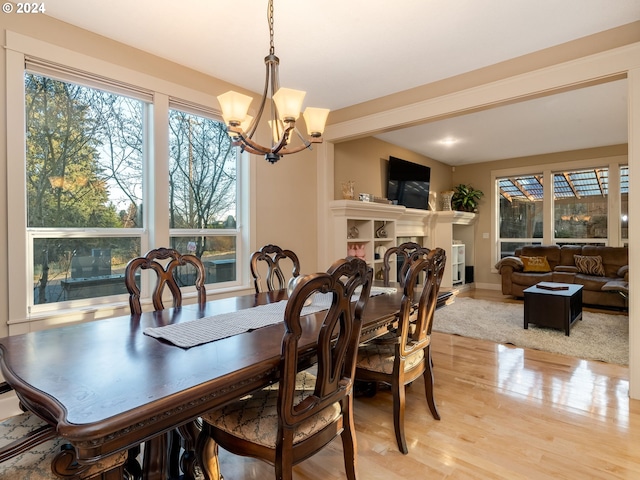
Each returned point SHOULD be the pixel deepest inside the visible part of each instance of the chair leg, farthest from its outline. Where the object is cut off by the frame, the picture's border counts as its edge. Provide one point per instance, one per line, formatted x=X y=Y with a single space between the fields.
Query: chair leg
x=207 y=455
x=349 y=445
x=284 y=457
x=428 y=385
x=398 y=415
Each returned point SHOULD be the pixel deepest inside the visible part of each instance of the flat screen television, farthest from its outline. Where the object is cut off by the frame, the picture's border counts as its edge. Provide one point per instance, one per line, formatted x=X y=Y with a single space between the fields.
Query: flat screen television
x=408 y=183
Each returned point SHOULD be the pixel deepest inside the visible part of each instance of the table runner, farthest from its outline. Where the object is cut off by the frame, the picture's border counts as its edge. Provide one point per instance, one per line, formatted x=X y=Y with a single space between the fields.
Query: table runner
x=216 y=327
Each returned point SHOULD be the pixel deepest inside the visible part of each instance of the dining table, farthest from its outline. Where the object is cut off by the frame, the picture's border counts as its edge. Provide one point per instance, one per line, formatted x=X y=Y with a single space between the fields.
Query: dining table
x=109 y=385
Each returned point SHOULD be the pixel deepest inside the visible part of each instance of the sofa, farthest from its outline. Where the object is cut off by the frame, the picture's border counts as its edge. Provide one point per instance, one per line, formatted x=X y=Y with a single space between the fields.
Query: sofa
x=602 y=271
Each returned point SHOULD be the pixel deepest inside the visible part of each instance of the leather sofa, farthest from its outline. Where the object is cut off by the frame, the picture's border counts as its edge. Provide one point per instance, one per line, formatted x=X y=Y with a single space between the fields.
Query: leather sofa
x=605 y=284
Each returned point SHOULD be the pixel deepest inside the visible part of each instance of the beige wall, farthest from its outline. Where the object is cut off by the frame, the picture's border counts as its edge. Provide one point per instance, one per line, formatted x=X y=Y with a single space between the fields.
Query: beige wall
x=365 y=162
x=285 y=203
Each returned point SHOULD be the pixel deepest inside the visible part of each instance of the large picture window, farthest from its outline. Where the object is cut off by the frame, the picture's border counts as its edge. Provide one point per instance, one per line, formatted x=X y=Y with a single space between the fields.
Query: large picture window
x=84 y=157
x=203 y=193
x=580 y=206
x=91 y=179
x=571 y=206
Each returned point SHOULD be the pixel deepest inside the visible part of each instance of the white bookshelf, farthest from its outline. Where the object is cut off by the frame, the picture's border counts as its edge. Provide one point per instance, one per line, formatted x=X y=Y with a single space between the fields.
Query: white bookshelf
x=457 y=264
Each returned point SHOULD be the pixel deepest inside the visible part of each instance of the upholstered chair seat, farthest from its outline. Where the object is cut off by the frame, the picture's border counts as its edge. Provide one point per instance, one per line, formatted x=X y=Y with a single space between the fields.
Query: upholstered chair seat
x=255 y=417
x=381 y=358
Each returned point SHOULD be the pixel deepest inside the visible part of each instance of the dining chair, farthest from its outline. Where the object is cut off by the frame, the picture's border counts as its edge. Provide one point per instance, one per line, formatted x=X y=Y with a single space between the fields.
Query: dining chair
x=165 y=262
x=166 y=277
x=295 y=418
x=402 y=357
x=275 y=279
x=30 y=449
x=404 y=252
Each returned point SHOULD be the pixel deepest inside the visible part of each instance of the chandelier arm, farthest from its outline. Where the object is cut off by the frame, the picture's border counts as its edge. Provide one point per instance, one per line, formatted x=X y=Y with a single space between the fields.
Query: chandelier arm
x=299 y=148
x=306 y=142
x=247 y=148
x=250 y=145
x=256 y=120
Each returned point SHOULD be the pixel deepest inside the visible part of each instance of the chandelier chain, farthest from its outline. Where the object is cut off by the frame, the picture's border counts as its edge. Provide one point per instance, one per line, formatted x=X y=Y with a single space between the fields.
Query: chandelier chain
x=270 y=18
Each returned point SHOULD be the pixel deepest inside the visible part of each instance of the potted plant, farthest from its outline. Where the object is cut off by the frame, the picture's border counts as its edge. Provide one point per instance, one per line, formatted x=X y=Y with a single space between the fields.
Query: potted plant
x=465 y=198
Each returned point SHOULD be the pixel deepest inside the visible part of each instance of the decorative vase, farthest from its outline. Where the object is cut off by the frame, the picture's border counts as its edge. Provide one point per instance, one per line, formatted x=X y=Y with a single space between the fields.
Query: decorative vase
x=348 y=190
x=446 y=200
x=381 y=232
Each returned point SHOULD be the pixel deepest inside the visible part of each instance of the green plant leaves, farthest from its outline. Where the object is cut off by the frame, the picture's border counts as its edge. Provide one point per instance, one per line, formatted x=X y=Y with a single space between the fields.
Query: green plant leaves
x=465 y=198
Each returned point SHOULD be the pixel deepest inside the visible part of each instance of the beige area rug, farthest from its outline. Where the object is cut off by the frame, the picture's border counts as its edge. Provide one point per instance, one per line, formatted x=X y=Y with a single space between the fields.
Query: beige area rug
x=598 y=336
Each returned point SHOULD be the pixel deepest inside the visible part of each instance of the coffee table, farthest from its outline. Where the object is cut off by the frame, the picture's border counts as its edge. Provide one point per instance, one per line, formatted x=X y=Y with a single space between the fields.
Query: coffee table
x=554 y=305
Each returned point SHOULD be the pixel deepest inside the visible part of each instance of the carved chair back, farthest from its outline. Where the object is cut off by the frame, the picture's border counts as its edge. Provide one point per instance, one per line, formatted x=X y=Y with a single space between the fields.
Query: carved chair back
x=272 y=256
x=166 y=277
x=404 y=354
x=415 y=324
x=406 y=253
x=285 y=425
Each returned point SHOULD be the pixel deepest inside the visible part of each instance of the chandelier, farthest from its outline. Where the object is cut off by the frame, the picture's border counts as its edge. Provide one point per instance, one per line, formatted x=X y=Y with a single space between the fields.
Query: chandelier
x=285 y=105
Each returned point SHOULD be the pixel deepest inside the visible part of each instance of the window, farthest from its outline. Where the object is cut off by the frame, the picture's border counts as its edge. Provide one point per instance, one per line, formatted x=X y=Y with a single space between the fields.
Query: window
x=624 y=204
x=112 y=169
x=575 y=211
x=581 y=206
x=520 y=205
x=202 y=193
x=84 y=157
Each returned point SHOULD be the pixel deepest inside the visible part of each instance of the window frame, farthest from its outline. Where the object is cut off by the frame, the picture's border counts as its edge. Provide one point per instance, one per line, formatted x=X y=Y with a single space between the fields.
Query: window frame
x=613 y=163
x=155 y=231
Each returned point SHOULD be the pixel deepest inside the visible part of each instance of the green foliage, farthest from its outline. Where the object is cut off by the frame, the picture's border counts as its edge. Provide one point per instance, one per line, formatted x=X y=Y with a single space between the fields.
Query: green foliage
x=65 y=187
x=465 y=198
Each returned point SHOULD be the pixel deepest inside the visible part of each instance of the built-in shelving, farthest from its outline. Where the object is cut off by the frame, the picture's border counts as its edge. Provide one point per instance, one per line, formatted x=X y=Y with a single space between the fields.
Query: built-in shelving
x=429 y=228
x=457 y=264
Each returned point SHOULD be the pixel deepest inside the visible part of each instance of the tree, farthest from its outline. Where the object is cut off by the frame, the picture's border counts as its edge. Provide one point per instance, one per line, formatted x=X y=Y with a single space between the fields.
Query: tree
x=64 y=183
x=202 y=174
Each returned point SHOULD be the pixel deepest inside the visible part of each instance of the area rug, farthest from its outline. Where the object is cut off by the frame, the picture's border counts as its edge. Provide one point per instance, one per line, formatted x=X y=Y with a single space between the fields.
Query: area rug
x=598 y=336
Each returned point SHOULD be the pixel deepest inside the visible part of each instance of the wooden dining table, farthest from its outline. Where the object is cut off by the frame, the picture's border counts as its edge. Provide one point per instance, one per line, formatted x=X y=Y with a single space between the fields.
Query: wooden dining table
x=107 y=387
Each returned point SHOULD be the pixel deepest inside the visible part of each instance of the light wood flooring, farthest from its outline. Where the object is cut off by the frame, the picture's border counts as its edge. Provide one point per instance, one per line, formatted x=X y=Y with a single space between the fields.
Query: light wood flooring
x=507 y=413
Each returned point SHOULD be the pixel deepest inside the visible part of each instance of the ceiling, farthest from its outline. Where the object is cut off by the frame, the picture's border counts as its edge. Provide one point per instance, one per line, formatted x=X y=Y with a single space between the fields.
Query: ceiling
x=347 y=52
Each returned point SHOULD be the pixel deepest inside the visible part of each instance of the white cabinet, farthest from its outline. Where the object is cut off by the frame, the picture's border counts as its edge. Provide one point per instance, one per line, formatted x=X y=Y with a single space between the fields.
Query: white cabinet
x=368 y=239
x=366 y=230
x=457 y=264
x=450 y=226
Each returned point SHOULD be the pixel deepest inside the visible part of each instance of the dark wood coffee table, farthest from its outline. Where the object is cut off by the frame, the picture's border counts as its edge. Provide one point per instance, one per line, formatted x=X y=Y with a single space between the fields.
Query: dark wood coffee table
x=554 y=305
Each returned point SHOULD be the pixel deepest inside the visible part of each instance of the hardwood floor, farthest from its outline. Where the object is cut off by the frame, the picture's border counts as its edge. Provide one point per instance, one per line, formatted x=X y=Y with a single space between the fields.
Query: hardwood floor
x=507 y=413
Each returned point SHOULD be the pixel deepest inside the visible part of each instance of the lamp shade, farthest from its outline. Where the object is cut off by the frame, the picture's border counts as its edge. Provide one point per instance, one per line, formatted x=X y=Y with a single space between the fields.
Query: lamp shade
x=315 y=118
x=276 y=130
x=289 y=103
x=234 y=106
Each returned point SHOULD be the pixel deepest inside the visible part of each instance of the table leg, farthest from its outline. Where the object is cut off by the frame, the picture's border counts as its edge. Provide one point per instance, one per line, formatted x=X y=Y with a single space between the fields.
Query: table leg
x=189 y=435
x=156 y=461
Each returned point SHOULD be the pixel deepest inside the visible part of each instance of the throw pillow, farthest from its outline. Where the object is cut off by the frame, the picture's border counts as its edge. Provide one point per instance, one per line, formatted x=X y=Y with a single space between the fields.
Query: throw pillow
x=589 y=265
x=535 y=264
